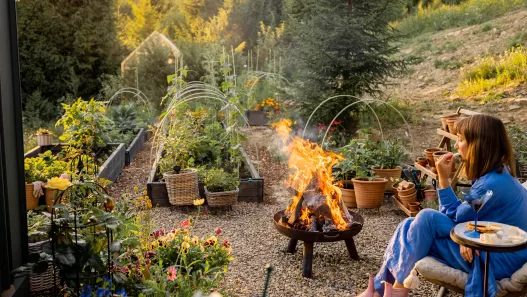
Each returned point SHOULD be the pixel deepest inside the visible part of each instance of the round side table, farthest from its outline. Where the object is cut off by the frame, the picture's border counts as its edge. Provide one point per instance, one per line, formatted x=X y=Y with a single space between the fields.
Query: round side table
x=475 y=244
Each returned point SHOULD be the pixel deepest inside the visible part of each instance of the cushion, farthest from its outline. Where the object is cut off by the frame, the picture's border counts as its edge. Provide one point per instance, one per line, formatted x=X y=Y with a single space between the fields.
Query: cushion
x=432 y=269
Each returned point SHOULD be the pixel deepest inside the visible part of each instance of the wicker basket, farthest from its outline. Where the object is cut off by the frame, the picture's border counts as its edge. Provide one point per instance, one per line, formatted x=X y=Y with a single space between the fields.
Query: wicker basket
x=221 y=198
x=369 y=194
x=31 y=201
x=39 y=282
x=182 y=188
x=405 y=199
x=389 y=174
x=44 y=139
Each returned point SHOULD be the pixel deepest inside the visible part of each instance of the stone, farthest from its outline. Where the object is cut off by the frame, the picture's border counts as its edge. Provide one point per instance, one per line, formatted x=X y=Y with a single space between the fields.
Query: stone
x=514 y=107
x=521 y=101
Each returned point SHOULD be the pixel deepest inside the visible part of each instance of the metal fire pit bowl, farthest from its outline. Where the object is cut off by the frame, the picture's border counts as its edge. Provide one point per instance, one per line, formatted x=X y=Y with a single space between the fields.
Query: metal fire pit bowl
x=309 y=238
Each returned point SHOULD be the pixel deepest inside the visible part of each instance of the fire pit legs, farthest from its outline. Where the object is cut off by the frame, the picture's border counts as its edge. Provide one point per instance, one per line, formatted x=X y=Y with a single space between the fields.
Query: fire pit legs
x=308 y=259
x=291 y=246
x=352 y=250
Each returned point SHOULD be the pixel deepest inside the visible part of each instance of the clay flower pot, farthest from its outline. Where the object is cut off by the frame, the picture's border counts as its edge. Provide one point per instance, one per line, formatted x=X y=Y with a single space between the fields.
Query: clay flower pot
x=348 y=196
x=422 y=161
x=408 y=191
x=31 y=201
x=395 y=192
x=388 y=173
x=369 y=193
x=414 y=206
x=437 y=155
x=406 y=199
x=444 y=120
x=451 y=125
x=430 y=155
x=430 y=195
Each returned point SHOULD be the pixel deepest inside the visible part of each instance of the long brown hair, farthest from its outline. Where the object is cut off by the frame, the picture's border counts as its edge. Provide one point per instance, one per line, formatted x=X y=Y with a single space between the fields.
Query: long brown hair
x=489 y=146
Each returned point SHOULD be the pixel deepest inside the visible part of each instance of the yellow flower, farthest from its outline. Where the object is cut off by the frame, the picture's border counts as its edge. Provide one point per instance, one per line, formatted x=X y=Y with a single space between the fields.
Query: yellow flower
x=137 y=204
x=229 y=250
x=185 y=245
x=26 y=166
x=149 y=204
x=186 y=238
x=213 y=239
x=145 y=192
x=141 y=198
x=195 y=240
x=198 y=202
x=136 y=188
x=58 y=183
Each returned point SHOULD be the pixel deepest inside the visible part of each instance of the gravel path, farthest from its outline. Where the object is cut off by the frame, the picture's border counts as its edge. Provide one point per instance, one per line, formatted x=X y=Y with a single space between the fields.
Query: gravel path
x=255 y=242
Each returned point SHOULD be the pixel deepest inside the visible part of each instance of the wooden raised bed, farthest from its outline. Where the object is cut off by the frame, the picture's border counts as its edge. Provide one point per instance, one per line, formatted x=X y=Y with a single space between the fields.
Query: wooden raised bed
x=134 y=147
x=110 y=169
x=251 y=185
x=257 y=117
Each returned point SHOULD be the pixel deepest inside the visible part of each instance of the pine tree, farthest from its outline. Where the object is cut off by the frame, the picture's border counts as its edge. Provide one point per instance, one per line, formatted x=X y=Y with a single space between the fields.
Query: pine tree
x=340 y=47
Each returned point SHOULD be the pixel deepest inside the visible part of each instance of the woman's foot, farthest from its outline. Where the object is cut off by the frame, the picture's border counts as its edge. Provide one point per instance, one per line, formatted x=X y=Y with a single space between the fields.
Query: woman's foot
x=370 y=291
x=390 y=291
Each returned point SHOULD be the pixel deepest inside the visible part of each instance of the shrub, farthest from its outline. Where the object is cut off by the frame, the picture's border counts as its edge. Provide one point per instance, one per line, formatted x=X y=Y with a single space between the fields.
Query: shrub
x=217 y=180
x=518 y=40
x=491 y=73
x=439 y=16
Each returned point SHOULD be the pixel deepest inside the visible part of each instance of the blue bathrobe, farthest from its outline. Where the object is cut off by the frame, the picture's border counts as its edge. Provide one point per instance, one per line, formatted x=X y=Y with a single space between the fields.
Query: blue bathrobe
x=428 y=234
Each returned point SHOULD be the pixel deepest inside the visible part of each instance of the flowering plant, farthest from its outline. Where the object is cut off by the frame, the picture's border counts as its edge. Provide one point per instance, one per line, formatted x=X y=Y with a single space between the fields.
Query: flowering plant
x=58 y=183
x=43 y=167
x=43 y=131
x=337 y=135
x=269 y=105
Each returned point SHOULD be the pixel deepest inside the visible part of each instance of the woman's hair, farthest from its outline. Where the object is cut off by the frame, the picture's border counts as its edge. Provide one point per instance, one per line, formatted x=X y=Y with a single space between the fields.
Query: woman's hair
x=489 y=146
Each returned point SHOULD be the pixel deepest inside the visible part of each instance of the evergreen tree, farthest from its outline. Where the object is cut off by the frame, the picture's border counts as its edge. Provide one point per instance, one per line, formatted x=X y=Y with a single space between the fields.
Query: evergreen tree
x=340 y=47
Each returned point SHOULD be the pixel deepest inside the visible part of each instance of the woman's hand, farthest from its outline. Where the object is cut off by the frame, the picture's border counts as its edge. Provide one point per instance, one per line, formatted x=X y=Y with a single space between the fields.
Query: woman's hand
x=444 y=169
x=466 y=253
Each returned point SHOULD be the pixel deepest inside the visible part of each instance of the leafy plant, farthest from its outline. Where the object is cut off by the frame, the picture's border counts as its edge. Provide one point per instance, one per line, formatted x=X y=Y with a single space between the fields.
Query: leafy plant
x=43 y=131
x=85 y=124
x=518 y=138
x=43 y=167
x=217 y=180
x=37 y=226
x=124 y=118
x=389 y=154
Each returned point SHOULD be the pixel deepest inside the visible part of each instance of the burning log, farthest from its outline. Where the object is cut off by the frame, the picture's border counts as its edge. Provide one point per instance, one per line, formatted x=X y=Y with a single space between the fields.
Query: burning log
x=297 y=213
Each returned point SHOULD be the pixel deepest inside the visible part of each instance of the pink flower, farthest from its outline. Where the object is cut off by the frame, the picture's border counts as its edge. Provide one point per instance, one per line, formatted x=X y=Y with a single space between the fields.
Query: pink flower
x=171 y=273
x=321 y=127
x=184 y=224
x=218 y=231
x=205 y=213
x=65 y=176
x=337 y=122
x=226 y=243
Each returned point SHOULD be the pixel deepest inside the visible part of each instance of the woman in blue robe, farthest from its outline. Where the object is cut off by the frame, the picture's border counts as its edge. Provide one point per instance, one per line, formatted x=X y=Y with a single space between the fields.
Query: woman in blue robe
x=489 y=162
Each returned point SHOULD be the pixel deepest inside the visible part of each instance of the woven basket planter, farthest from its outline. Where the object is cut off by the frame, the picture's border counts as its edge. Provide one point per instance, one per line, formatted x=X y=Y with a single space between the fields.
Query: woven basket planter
x=221 y=198
x=31 y=201
x=182 y=188
x=39 y=282
x=389 y=174
x=44 y=139
x=405 y=199
x=369 y=194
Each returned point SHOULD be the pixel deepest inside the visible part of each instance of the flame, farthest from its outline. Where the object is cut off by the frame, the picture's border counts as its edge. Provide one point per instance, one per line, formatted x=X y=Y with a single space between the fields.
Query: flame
x=309 y=161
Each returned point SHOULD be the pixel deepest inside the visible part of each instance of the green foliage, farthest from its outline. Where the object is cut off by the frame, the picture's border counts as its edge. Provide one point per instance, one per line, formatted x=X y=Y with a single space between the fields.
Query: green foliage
x=123 y=117
x=486 y=27
x=494 y=72
x=450 y=64
x=85 y=124
x=353 y=60
x=440 y=16
x=518 y=40
x=43 y=167
x=389 y=154
x=37 y=226
x=65 y=46
x=217 y=180
x=518 y=138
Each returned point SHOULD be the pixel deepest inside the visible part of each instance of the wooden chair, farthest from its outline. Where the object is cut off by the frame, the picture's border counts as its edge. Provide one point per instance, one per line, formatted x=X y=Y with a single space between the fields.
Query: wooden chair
x=452 y=279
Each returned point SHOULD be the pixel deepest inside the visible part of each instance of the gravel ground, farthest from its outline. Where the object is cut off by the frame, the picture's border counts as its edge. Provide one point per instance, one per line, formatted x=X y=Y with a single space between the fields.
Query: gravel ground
x=255 y=242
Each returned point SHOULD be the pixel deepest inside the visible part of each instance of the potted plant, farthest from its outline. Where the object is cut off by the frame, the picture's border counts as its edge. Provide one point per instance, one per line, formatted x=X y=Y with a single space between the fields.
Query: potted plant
x=369 y=189
x=389 y=155
x=33 y=171
x=53 y=186
x=44 y=137
x=221 y=188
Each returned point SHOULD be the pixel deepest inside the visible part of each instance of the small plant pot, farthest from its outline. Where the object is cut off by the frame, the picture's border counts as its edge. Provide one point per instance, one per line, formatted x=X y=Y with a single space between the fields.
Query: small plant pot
x=50 y=198
x=437 y=155
x=414 y=206
x=389 y=174
x=406 y=199
x=444 y=120
x=348 y=197
x=395 y=192
x=408 y=191
x=422 y=161
x=44 y=139
x=430 y=195
x=430 y=155
x=452 y=125
x=31 y=201
x=369 y=193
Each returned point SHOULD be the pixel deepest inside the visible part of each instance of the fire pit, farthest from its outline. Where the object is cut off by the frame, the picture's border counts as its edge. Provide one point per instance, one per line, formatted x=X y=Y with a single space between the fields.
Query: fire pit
x=309 y=238
x=317 y=212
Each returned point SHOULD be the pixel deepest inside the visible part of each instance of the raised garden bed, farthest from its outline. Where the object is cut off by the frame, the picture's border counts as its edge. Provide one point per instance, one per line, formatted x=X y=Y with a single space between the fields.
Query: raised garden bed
x=110 y=169
x=134 y=147
x=251 y=185
x=257 y=117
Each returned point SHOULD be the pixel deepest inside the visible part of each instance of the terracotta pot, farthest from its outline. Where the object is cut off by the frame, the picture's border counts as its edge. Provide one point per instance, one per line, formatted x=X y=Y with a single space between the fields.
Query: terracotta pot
x=430 y=155
x=407 y=191
x=388 y=173
x=369 y=194
x=44 y=139
x=405 y=199
x=395 y=192
x=414 y=206
x=437 y=155
x=451 y=125
x=422 y=161
x=444 y=119
x=31 y=201
x=348 y=197
x=50 y=198
x=430 y=195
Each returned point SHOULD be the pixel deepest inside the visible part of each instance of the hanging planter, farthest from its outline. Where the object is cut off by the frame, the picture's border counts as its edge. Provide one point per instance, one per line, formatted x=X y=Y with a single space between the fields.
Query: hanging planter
x=369 y=193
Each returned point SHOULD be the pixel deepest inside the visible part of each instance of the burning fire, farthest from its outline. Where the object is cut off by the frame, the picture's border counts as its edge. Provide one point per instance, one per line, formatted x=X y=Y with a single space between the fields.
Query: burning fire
x=312 y=166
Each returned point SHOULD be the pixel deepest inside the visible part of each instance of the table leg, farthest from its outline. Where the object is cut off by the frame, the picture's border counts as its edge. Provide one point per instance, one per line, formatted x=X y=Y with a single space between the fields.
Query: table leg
x=485 y=281
x=291 y=246
x=308 y=259
x=352 y=250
